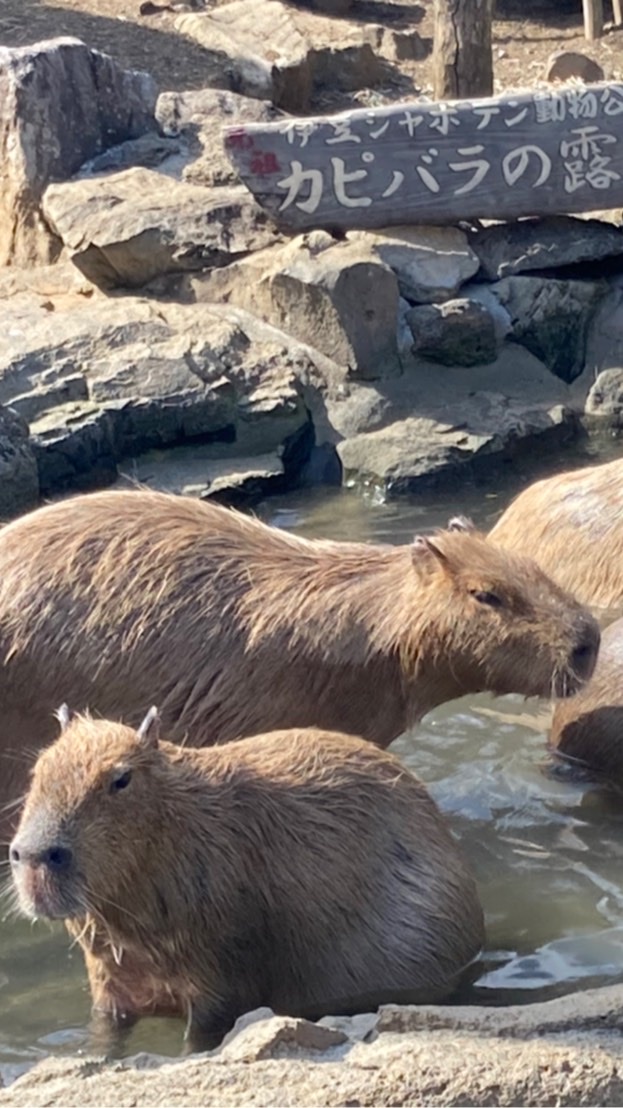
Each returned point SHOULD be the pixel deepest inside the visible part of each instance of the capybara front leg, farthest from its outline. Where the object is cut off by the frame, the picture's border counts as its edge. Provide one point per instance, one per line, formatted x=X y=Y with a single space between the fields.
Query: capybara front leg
x=206 y=1027
x=108 y=1031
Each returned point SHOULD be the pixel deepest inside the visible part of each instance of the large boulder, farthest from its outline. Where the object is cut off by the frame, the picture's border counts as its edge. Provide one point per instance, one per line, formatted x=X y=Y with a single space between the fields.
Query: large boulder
x=60 y=104
x=431 y=263
x=338 y=297
x=277 y=52
x=551 y=318
x=528 y=244
x=111 y=379
x=126 y=228
x=458 y=332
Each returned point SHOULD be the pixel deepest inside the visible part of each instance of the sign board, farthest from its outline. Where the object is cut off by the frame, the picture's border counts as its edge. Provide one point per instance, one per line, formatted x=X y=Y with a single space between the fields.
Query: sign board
x=533 y=153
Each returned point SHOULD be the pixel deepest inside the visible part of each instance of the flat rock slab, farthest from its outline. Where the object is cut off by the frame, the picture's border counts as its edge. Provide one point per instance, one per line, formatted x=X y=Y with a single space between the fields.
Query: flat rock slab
x=213 y=471
x=533 y=153
x=126 y=228
x=566 y=1052
x=61 y=103
x=277 y=52
x=431 y=263
x=529 y=244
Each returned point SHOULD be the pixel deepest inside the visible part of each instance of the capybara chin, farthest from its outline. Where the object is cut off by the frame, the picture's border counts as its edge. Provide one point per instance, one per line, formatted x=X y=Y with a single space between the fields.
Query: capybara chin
x=587 y=731
x=572 y=524
x=121 y=597
x=297 y=869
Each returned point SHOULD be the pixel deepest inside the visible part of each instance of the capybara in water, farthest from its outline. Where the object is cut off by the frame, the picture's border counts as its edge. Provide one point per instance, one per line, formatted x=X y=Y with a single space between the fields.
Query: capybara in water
x=298 y=869
x=117 y=598
x=572 y=524
x=588 y=730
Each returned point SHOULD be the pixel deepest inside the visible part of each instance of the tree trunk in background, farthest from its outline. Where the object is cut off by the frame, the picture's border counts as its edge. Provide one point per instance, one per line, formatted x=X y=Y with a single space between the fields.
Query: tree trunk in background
x=463 y=58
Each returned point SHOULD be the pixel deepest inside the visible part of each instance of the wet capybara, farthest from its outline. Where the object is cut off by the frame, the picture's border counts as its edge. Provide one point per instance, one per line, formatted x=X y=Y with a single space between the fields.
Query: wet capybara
x=119 y=598
x=572 y=524
x=587 y=731
x=299 y=869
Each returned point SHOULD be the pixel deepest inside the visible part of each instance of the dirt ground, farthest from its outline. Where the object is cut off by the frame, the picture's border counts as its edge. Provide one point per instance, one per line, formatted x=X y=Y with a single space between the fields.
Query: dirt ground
x=521 y=45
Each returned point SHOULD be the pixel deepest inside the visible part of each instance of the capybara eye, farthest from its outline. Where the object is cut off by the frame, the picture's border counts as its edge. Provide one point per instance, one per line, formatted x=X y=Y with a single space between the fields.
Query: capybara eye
x=489 y=598
x=121 y=781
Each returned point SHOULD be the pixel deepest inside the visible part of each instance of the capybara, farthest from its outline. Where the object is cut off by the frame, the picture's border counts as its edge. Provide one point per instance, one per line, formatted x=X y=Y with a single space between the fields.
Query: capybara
x=572 y=524
x=119 y=598
x=298 y=869
x=588 y=730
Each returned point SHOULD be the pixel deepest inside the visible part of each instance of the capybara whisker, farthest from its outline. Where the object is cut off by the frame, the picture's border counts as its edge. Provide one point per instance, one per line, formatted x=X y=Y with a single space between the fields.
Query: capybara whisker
x=240 y=628
x=281 y=870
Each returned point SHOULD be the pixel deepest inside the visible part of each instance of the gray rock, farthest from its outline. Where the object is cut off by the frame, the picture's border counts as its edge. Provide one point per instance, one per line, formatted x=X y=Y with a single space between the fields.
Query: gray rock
x=337 y=297
x=19 y=480
x=551 y=318
x=605 y=398
x=125 y=229
x=424 y=430
x=60 y=104
x=431 y=263
x=197 y=117
x=528 y=244
x=459 y=332
x=112 y=379
x=269 y=50
x=212 y=471
x=564 y=65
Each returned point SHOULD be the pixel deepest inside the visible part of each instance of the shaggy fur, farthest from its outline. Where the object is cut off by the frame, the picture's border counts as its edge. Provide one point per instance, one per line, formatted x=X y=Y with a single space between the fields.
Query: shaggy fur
x=299 y=869
x=116 y=599
x=572 y=524
x=587 y=731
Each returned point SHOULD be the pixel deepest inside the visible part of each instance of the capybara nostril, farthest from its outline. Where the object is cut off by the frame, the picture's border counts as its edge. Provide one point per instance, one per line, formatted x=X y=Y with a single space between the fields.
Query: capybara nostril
x=14 y=855
x=584 y=657
x=56 y=858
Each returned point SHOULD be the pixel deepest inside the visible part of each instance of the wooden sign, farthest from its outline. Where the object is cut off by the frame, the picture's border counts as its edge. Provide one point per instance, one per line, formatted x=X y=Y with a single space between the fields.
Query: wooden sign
x=535 y=153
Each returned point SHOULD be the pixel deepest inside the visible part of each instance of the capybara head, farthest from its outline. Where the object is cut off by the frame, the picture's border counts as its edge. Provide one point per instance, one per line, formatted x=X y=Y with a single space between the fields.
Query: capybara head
x=70 y=853
x=506 y=625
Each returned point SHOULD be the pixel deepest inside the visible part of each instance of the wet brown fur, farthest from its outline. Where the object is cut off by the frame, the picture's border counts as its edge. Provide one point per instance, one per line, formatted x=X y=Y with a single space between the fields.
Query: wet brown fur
x=115 y=599
x=298 y=869
x=572 y=524
x=587 y=731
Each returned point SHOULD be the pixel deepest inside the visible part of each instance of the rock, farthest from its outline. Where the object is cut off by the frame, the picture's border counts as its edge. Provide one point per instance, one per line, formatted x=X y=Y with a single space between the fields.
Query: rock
x=564 y=1052
x=19 y=480
x=277 y=1036
x=551 y=318
x=605 y=398
x=60 y=104
x=211 y=472
x=502 y=321
x=112 y=379
x=424 y=430
x=276 y=52
x=431 y=263
x=528 y=244
x=197 y=118
x=459 y=332
x=127 y=228
x=337 y=297
x=563 y=65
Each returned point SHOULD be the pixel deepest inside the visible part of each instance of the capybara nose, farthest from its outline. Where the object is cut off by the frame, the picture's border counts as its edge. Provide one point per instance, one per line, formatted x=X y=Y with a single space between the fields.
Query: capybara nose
x=584 y=657
x=56 y=858
x=14 y=854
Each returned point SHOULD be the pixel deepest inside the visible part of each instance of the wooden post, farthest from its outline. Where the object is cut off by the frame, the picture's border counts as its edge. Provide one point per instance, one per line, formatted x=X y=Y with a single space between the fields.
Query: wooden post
x=617 y=12
x=462 y=55
x=593 y=18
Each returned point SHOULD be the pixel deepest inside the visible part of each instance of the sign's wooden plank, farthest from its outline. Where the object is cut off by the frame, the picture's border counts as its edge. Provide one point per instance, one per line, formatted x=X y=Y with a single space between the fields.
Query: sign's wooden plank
x=547 y=151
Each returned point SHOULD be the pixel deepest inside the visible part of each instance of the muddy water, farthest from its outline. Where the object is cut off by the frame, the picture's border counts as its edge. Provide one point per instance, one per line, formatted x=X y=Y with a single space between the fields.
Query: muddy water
x=548 y=854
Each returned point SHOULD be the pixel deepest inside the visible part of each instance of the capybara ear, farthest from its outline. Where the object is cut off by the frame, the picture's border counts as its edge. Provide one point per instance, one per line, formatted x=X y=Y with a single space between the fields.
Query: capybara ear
x=63 y=716
x=461 y=523
x=423 y=547
x=149 y=731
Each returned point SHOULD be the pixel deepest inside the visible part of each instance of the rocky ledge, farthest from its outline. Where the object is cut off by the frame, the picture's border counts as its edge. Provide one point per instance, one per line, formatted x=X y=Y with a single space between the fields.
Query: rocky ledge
x=563 y=1052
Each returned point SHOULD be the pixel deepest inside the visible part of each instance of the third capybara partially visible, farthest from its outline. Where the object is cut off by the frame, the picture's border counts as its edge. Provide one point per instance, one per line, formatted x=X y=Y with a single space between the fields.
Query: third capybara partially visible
x=572 y=524
x=303 y=870
x=119 y=598
x=588 y=730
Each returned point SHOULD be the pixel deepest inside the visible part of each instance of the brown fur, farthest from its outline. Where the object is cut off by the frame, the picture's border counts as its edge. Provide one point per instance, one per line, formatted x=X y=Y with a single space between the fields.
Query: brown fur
x=298 y=869
x=572 y=524
x=113 y=599
x=587 y=731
